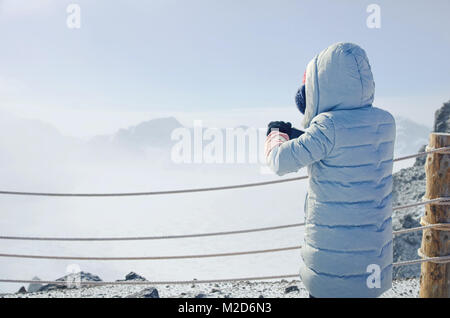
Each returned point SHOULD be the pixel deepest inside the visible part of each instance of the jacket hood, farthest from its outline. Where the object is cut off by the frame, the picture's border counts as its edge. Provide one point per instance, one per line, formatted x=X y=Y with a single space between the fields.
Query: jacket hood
x=338 y=78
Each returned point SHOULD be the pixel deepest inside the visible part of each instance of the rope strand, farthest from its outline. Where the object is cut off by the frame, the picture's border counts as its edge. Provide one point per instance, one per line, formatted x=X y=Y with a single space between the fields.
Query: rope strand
x=141 y=238
x=424 y=153
x=238 y=186
x=438 y=226
x=149 y=258
x=127 y=194
x=442 y=201
x=437 y=259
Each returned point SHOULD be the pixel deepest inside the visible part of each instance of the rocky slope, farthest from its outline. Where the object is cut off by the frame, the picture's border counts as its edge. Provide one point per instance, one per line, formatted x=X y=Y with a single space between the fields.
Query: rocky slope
x=409 y=187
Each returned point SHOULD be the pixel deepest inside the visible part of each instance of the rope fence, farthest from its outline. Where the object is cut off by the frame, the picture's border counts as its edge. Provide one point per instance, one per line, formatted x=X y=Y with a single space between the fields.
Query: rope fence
x=441 y=259
x=424 y=258
x=270 y=228
x=171 y=257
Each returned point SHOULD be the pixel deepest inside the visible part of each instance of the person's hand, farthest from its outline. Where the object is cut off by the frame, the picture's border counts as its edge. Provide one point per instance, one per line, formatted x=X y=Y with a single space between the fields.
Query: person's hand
x=281 y=126
x=284 y=127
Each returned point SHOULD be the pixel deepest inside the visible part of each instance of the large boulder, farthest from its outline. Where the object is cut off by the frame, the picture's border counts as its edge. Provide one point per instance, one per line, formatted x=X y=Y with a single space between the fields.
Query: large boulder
x=133 y=276
x=71 y=280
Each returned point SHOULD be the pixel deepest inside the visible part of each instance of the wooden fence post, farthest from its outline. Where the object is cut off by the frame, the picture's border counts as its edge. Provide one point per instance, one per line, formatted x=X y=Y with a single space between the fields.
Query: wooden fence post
x=435 y=278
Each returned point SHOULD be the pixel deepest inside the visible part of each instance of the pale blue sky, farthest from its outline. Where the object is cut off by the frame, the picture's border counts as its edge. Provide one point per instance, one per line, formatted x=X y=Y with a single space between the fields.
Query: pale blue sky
x=214 y=55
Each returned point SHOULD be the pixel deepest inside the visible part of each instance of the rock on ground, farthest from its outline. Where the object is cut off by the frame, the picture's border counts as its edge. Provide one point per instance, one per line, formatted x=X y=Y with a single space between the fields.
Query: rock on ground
x=22 y=290
x=133 y=276
x=34 y=287
x=149 y=292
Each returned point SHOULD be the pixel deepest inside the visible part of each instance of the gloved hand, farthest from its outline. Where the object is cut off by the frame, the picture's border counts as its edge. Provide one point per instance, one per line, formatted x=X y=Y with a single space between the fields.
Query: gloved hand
x=284 y=127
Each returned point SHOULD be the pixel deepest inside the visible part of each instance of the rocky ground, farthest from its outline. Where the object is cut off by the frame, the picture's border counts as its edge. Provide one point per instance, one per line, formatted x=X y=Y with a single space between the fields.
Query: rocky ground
x=408 y=288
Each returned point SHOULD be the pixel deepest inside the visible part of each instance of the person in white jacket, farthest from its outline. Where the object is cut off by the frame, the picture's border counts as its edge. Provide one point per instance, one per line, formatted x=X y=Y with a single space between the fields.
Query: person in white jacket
x=347 y=147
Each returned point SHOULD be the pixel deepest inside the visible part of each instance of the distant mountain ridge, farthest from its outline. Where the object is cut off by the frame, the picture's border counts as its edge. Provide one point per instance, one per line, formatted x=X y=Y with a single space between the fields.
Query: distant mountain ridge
x=410 y=136
x=156 y=133
x=152 y=133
